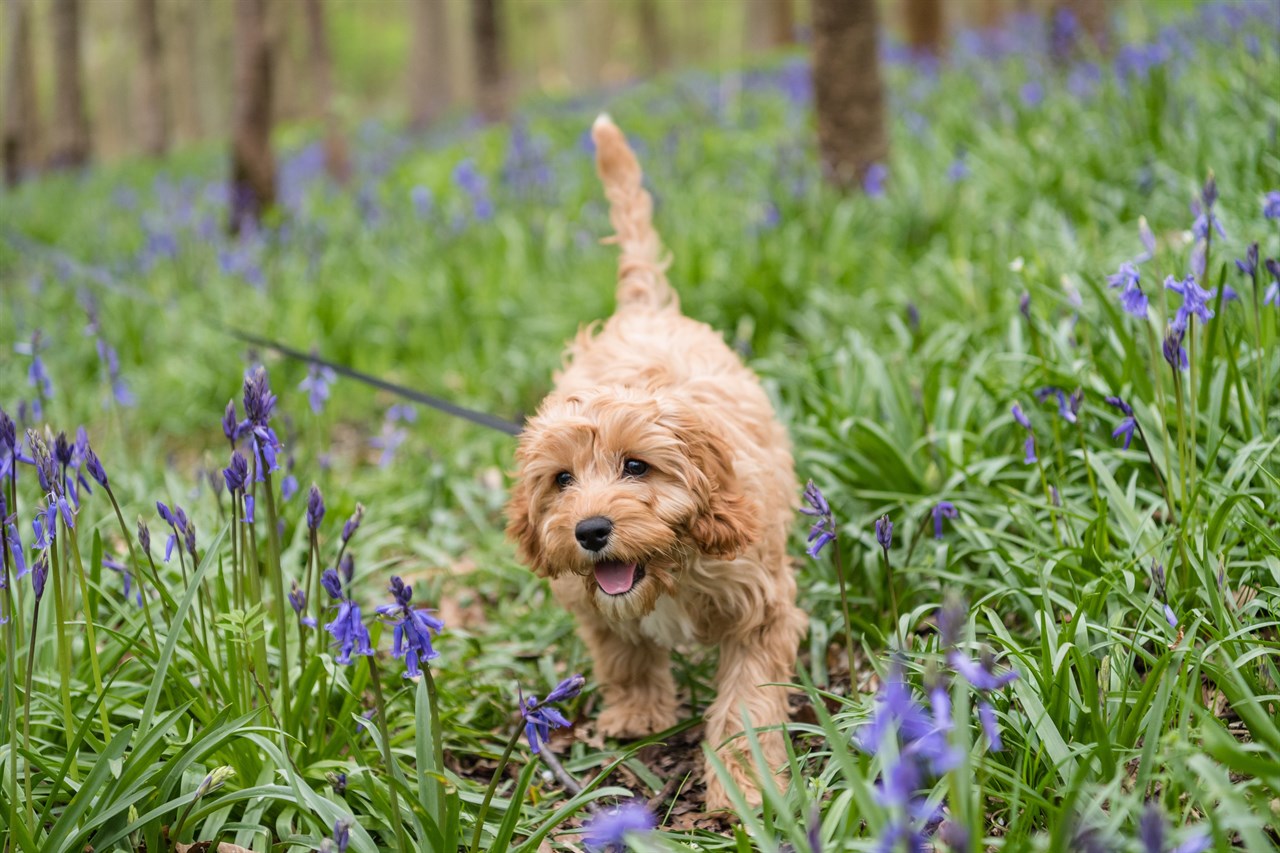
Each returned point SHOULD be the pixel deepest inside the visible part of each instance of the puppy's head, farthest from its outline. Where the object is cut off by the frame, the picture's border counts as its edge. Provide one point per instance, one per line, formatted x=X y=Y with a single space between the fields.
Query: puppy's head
x=623 y=489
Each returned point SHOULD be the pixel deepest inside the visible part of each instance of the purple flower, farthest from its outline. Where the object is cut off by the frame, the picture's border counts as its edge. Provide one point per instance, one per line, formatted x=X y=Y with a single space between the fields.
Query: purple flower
x=258 y=405
x=944 y=509
x=987 y=716
x=884 y=532
x=1148 y=241
x=288 y=487
x=1068 y=407
x=347 y=567
x=316 y=384
x=958 y=170
x=126 y=576
x=1170 y=616
x=315 y=507
x=539 y=718
x=353 y=523
x=1151 y=832
x=567 y=689
x=874 y=180
x=1128 y=425
x=1029 y=448
x=39 y=574
x=144 y=536
x=607 y=829
x=413 y=629
x=979 y=674
x=1272 y=294
x=248 y=508
x=350 y=635
x=230 y=426
x=1020 y=416
x=1024 y=305
x=1032 y=93
x=1271 y=205
x=14 y=541
x=823 y=530
x=1132 y=299
x=341 y=836
x=1174 y=352
x=332 y=583
x=236 y=473
x=94 y=466
x=1205 y=220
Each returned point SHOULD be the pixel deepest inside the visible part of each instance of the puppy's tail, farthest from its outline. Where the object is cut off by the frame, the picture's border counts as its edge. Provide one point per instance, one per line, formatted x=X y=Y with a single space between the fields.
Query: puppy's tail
x=642 y=280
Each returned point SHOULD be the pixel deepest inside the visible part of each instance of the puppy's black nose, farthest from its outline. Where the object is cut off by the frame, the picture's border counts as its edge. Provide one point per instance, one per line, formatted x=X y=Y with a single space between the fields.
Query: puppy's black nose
x=593 y=533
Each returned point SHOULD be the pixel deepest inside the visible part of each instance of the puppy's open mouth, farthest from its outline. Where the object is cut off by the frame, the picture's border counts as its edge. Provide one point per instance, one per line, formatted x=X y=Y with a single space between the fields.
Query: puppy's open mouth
x=616 y=578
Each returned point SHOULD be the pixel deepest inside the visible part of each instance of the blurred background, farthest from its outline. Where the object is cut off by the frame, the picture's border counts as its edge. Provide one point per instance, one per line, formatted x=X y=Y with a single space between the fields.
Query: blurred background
x=146 y=75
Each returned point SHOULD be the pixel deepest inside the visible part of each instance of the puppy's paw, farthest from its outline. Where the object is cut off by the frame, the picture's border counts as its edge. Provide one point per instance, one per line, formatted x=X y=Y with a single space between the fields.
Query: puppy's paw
x=717 y=798
x=635 y=720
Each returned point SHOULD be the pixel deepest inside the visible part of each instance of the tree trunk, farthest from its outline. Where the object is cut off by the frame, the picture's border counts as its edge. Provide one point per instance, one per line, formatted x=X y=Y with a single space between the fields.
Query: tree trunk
x=253 y=167
x=70 y=124
x=991 y=14
x=924 y=26
x=657 y=55
x=1073 y=21
x=848 y=94
x=491 y=76
x=336 y=159
x=784 y=22
x=153 y=89
x=430 y=84
x=186 y=62
x=20 y=139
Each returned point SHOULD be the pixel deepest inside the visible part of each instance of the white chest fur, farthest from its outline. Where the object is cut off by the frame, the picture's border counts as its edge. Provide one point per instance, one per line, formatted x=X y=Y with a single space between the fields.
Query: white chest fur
x=668 y=624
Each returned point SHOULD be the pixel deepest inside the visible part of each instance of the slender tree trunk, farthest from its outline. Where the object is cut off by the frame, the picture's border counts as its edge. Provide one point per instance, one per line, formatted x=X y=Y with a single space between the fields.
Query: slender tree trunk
x=70 y=147
x=430 y=82
x=491 y=75
x=991 y=14
x=253 y=167
x=186 y=62
x=848 y=93
x=153 y=88
x=657 y=53
x=923 y=20
x=336 y=159
x=20 y=139
x=784 y=22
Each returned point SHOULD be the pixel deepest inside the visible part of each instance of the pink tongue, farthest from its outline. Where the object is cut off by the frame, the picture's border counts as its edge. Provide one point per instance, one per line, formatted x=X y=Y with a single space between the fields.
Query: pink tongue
x=615 y=578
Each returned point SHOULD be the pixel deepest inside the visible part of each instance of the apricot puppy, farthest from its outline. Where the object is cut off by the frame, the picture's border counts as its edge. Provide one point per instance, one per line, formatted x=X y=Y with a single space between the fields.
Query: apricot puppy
x=655 y=488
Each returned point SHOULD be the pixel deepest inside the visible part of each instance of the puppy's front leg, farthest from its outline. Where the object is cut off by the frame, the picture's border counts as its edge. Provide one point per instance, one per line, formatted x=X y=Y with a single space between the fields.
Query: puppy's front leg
x=749 y=662
x=634 y=674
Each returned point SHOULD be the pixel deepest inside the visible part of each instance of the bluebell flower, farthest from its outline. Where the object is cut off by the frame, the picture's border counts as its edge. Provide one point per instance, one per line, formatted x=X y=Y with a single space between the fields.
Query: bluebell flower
x=94 y=466
x=1148 y=239
x=1248 y=265
x=288 y=487
x=1029 y=450
x=341 y=838
x=1174 y=353
x=316 y=384
x=298 y=601
x=987 y=716
x=14 y=542
x=236 y=473
x=823 y=530
x=943 y=509
x=1020 y=416
x=230 y=424
x=1024 y=305
x=566 y=689
x=539 y=719
x=1271 y=205
x=126 y=576
x=874 y=180
x=1068 y=406
x=315 y=508
x=144 y=536
x=884 y=532
x=352 y=524
x=248 y=508
x=347 y=568
x=350 y=635
x=1128 y=425
x=258 y=405
x=423 y=200
x=1132 y=298
x=1151 y=832
x=608 y=829
x=1272 y=293
x=332 y=583
x=1032 y=93
x=40 y=574
x=413 y=629
x=980 y=674
x=1205 y=221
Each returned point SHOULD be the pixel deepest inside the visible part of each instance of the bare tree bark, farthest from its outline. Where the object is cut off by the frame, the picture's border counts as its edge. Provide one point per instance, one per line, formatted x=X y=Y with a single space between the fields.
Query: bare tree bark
x=657 y=54
x=185 y=62
x=70 y=146
x=491 y=74
x=430 y=82
x=253 y=167
x=848 y=93
x=924 y=24
x=336 y=158
x=1075 y=20
x=20 y=139
x=153 y=88
x=991 y=14
x=784 y=22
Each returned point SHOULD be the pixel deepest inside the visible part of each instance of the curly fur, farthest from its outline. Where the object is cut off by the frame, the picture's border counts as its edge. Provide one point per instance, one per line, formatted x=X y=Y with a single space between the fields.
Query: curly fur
x=708 y=521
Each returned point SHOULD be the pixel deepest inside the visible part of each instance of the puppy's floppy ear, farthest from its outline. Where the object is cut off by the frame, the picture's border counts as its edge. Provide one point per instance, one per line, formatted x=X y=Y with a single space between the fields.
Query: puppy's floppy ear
x=727 y=521
x=522 y=529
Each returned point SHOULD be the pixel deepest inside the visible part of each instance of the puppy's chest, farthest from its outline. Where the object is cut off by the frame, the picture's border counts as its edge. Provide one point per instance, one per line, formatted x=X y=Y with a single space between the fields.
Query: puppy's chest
x=669 y=624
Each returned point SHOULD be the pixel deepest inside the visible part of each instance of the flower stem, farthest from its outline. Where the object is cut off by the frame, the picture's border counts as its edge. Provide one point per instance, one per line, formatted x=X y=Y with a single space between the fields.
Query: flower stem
x=402 y=838
x=26 y=722
x=844 y=605
x=493 y=786
x=277 y=579
x=64 y=649
x=90 y=640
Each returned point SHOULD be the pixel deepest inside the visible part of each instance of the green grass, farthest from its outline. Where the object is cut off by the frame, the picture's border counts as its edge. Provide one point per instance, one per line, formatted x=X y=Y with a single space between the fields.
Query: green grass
x=1113 y=705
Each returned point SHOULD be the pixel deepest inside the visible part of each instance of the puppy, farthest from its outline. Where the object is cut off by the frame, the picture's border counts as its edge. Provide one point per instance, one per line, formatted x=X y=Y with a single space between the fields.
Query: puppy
x=655 y=489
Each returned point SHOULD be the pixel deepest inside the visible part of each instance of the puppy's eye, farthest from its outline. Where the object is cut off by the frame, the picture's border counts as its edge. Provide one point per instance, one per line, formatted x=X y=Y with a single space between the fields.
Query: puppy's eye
x=635 y=468
x=564 y=479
